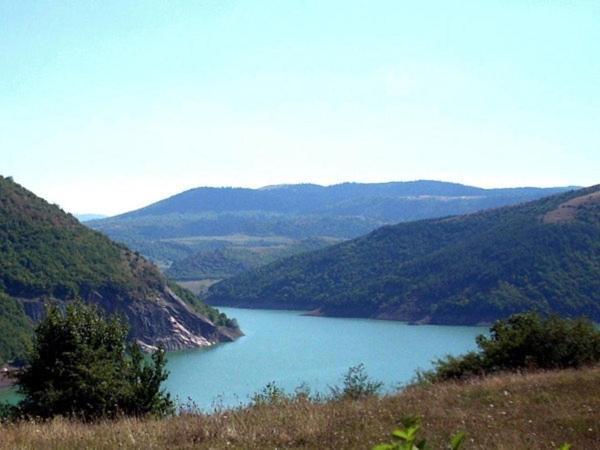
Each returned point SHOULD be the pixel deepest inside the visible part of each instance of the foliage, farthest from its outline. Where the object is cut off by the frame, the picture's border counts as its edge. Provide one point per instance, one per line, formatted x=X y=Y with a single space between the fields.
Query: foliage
x=461 y=270
x=271 y=394
x=406 y=438
x=356 y=385
x=80 y=367
x=526 y=341
x=16 y=330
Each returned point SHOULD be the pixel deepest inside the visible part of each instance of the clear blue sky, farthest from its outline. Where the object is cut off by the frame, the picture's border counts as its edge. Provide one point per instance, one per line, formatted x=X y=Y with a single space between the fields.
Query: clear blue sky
x=108 y=105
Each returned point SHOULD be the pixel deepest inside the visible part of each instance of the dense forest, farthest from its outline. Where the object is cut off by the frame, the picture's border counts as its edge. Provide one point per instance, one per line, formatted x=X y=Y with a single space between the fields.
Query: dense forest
x=48 y=254
x=542 y=255
x=215 y=232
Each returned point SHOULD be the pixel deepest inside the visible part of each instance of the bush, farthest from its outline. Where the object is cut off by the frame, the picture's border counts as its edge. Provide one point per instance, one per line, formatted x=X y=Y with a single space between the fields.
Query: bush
x=523 y=342
x=356 y=385
x=81 y=366
x=271 y=394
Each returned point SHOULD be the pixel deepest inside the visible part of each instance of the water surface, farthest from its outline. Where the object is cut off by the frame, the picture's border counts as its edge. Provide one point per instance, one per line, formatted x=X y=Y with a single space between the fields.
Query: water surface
x=289 y=349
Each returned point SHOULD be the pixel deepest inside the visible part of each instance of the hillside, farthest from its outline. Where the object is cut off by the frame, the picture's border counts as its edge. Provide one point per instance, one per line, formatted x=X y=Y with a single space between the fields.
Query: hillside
x=542 y=255
x=230 y=260
x=533 y=411
x=48 y=254
x=189 y=226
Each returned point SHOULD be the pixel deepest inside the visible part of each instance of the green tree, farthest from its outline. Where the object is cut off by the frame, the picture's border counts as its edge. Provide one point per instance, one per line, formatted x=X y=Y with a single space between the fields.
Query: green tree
x=81 y=366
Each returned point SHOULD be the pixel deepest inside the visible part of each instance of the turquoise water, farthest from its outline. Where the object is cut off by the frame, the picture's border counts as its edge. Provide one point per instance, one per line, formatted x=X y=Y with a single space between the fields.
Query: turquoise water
x=291 y=349
x=9 y=395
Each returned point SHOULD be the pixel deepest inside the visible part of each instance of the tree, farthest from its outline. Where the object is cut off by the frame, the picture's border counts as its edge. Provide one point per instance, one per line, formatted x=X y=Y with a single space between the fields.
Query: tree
x=81 y=366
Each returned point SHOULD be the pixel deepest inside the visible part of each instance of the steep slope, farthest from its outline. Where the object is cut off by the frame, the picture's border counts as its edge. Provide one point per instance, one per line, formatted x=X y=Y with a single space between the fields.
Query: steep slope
x=456 y=270
x=47 y=254
x=163 y=231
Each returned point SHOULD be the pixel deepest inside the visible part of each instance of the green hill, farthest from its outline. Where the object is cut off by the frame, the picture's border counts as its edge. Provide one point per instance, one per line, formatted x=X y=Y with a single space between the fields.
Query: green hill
x=542 y=255
x=184 y=227
x=231 y=259
x=48 y=254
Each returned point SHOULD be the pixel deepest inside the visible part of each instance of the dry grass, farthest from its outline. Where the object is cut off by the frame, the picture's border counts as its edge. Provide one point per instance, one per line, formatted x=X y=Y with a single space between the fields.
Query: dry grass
x=534 y=411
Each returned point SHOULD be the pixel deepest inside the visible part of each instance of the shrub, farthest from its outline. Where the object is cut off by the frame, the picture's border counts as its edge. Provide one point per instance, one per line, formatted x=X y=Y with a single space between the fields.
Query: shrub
x=522 y=342
x=356 y=385
x=271 y=394
x=81 y=366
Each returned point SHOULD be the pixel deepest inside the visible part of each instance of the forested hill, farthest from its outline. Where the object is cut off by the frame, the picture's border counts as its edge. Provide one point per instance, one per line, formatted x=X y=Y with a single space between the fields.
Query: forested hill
x=542 y=255
x=307 y=210
x=345 y=198
x=184 y=231
x=48 y=254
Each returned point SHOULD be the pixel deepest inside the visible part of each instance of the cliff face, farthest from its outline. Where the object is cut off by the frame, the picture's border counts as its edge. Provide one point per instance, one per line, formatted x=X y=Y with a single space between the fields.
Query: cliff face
x=47 y=255
x=162 y=319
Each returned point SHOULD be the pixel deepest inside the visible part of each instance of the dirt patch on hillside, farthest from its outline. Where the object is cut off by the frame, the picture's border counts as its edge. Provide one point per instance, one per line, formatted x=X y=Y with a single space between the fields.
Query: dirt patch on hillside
x=567 y=211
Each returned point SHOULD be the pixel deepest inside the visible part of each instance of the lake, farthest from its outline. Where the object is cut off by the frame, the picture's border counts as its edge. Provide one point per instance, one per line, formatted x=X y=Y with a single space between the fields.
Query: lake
x=290 y=349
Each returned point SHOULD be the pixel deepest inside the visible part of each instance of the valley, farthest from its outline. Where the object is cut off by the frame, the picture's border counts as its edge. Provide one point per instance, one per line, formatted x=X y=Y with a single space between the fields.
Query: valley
x=470 y=269
x=315 y=225
x=217 y=233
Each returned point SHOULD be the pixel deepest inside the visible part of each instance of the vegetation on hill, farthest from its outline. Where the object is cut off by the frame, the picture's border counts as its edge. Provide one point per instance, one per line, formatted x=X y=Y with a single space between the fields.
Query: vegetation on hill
x=458 y=270
x=15 y=330
x=310 y=198
x=231 y=260
x=81 y=367
x=163 y=231
x=537 y=411
x=48 y=254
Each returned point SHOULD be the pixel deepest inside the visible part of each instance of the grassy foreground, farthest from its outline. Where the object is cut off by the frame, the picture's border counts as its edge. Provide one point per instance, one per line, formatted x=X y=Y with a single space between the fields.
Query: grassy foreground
x=533 y=411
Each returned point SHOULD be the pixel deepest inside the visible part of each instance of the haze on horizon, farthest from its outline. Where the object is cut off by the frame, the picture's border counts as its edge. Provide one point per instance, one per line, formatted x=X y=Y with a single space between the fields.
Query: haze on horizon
x=108 y=106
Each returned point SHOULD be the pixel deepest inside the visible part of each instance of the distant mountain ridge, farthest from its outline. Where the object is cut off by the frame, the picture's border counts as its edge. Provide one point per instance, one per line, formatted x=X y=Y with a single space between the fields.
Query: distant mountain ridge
x=48 y=255
x=542 y=255
x=315 y=199
x=169 y=231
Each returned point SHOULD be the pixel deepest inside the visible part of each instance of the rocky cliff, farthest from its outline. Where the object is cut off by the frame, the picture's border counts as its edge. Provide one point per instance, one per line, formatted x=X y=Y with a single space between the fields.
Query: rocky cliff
x=47 y=255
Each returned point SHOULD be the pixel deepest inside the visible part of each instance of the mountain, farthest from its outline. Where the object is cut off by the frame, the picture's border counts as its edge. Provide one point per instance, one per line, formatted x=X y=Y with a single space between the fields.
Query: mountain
x=542 y=255
x=189 y=226
x=48 y=255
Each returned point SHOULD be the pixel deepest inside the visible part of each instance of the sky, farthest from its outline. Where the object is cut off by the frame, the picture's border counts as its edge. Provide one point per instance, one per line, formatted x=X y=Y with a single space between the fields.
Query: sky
x=106 y=106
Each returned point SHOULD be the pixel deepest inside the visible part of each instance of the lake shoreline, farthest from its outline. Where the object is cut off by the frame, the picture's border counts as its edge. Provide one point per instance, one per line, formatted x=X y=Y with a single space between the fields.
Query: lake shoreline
x=318 y=312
